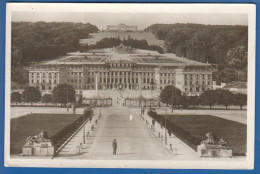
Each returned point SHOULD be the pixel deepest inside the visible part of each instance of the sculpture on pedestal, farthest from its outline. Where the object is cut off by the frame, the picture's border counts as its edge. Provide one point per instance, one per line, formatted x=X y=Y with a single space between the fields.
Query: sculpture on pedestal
x=214 y=147
x=38 y=145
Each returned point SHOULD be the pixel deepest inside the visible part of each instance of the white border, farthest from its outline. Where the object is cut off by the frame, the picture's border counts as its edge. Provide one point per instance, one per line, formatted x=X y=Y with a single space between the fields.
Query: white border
x=249 y=9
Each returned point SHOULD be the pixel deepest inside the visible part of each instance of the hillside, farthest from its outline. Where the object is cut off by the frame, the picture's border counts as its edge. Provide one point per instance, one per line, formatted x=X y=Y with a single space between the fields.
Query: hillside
x=200 y=42
x=34 y=42
x=45 y=40
x=223 y=45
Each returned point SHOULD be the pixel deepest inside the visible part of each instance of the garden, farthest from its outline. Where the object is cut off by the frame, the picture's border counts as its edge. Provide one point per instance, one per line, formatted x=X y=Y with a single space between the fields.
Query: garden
x=191 y=129
x=58 y=127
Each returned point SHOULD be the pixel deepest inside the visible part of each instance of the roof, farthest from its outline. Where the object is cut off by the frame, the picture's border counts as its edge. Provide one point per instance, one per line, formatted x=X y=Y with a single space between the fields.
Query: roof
x=138 y=56
x=236 y=84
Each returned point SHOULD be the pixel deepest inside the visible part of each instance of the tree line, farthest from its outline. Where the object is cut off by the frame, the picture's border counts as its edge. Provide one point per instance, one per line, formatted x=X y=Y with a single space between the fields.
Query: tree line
x=36 y=41
x=171 y=95
x=62 y=93
x=115 y=41
x=223 y=45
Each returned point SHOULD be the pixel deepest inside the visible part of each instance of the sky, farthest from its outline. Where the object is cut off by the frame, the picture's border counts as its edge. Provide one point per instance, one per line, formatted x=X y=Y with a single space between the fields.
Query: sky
x=141 y=20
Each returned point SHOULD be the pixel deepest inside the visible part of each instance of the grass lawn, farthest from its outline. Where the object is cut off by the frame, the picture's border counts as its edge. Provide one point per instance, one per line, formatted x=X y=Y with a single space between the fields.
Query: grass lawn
x=33 y=124
x=149 y=37
x=198 y=125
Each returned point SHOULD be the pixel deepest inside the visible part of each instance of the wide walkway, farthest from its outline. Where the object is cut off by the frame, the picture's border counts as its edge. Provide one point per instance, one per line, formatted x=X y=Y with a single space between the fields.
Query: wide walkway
x=135 y=139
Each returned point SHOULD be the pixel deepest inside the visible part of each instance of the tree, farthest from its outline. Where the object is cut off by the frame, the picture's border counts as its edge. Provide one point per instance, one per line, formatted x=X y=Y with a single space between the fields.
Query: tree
x=47 y=98
x=224 y=97
x=31 y=94
x=64 y=93
x=16 y=97
x=208 y=98
x=171 y=95
x=237 y=57
x=240 y=100
x=192 y=100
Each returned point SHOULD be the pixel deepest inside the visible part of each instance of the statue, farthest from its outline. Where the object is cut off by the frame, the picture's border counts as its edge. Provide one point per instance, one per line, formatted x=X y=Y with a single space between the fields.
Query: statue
x=38 y=145
x=214 y=147
x=42 y=137
x=213 y=140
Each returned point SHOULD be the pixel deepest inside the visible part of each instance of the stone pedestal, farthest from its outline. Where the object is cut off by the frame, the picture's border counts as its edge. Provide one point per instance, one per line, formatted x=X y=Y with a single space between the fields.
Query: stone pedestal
x=214 y=151
x=38 y=149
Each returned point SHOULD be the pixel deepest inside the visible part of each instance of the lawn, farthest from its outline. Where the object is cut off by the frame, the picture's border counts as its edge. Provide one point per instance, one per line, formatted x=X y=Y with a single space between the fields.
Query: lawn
x=149 y=37
x=33 y=124
x=198 y=125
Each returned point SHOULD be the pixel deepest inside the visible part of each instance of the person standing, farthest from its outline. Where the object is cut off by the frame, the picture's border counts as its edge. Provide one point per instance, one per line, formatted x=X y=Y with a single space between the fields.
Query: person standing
x=131 y=117
x=114 y=146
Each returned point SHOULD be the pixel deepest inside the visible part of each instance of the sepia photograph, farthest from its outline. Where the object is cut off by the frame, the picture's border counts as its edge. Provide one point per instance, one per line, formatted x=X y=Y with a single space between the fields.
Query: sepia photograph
x=130 y=85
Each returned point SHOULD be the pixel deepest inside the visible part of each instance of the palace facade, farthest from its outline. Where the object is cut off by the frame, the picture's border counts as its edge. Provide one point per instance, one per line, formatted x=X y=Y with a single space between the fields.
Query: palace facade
x=121 y=27
x=122 y=68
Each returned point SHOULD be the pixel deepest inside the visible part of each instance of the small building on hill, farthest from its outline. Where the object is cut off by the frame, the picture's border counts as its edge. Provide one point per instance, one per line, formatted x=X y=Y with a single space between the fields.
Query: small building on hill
x=237 y=87
x=121 y=27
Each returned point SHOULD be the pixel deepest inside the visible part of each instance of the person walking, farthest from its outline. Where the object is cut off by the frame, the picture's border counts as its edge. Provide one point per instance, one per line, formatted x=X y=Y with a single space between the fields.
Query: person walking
x=114 y=146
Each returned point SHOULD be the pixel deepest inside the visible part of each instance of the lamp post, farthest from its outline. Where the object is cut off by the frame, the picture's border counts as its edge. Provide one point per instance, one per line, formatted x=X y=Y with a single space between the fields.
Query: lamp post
x=67 y=99
x=165 y=125
x=172 y=94
x=84 y=135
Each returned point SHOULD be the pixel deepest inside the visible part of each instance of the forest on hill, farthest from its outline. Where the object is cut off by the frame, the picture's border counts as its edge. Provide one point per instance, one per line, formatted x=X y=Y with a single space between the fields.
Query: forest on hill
x=223 y=45
x=32 y=42
x=38 y=41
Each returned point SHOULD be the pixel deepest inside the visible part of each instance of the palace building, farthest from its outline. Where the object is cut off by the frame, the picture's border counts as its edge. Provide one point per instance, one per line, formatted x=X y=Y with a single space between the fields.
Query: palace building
x=122 y=68
x=121 y=27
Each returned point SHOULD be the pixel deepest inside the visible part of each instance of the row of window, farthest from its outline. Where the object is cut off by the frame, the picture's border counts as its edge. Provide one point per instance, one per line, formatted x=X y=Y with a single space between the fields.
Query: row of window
x=196 y=89
x=197 y=83
x=121 y=65
x=166 y=81
x=43 y=81
x=196 y=76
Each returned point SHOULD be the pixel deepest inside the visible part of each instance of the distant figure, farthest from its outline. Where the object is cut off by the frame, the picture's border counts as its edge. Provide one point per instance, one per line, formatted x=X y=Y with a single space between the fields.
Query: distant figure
x=87 y=135
x=131 y=117
x=153 y=122
x=114 y=146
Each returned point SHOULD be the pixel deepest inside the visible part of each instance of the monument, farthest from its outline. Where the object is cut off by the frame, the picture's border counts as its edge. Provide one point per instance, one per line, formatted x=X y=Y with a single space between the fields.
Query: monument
x=214 y=147
x=38 y=145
